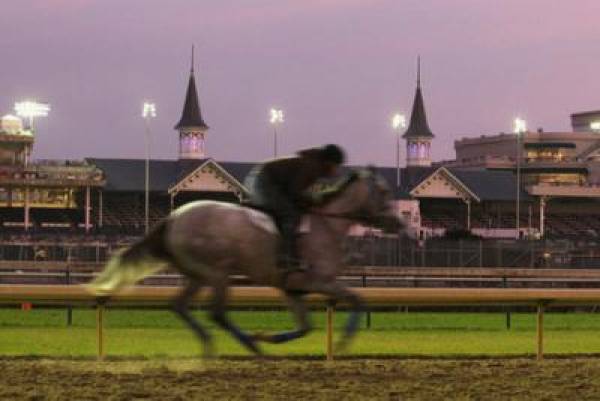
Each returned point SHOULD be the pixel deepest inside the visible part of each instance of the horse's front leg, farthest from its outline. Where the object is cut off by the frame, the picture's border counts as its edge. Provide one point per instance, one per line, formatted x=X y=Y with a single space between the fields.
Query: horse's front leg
x=339 y=292
x=219 y=316
x=298 y=308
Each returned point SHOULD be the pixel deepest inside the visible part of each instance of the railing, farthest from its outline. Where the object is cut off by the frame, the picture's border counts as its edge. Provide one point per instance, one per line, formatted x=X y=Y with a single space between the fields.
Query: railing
x=254 y=296
x=369 y=250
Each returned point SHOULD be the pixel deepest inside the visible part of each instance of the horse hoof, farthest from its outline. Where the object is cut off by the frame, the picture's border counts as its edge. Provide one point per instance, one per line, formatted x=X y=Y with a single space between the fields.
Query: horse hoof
x=342 y=345
x=260 y=336
x=257 y=351
x=209 y=352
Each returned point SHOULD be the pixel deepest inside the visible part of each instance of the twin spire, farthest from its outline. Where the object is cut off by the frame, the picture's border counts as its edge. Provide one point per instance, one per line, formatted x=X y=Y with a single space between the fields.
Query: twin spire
x=191 y=117
x=418 y=126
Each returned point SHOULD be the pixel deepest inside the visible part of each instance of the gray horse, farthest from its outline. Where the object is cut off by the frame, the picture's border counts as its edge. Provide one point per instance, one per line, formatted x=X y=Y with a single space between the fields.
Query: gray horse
x=209 y=241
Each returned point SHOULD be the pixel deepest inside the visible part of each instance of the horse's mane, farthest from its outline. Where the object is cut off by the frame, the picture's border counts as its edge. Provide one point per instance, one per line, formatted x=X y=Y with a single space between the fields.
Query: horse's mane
x=331 y=193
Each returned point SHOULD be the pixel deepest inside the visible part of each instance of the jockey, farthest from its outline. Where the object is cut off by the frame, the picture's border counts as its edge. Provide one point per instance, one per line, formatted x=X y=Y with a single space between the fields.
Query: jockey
x=281 y=186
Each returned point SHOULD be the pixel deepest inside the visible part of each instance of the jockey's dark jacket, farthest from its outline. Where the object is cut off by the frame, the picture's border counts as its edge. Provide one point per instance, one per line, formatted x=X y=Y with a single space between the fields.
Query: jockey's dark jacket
x=295 y=175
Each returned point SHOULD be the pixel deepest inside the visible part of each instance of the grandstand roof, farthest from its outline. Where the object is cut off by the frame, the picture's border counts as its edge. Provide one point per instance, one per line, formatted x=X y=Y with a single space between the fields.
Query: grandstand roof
x=491 y=185
x=128 y=175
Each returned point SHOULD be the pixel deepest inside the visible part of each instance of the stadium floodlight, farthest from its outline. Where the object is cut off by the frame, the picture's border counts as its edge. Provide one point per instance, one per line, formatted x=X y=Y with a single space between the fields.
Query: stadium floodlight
x=519 y=126
x=276 y=119
x=595 y=125
x=398 y=121
x=148 y=110
x=276 y=116
x=30 y=109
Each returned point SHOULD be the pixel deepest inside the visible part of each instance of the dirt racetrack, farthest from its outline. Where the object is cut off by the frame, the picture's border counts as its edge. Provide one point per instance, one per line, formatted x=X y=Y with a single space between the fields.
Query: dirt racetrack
x=360 y=379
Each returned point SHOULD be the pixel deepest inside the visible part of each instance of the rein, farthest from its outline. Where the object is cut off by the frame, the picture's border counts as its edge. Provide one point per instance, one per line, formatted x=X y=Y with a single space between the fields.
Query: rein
x=342 y=216
x=358 y=215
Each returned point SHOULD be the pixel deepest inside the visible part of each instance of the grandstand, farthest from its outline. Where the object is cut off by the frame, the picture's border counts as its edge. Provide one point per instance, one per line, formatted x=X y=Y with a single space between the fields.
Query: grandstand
x=476 y=192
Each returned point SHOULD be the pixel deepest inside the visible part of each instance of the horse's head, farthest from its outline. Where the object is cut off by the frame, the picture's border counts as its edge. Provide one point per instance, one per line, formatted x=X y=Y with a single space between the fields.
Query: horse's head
x=375 y=201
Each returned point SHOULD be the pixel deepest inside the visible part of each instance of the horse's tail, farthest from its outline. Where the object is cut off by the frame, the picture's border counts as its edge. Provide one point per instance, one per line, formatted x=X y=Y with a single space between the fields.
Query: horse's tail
x=145 y=257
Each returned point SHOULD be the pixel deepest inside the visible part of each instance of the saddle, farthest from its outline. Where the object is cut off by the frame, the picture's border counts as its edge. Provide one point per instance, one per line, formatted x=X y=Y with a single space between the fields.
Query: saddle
x=262 y=219
x=258 y=213
x=266 y=220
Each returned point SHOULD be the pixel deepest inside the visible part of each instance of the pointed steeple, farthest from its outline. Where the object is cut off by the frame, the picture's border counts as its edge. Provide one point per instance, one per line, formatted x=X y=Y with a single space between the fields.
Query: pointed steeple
x=418 y=127
x=191 y=117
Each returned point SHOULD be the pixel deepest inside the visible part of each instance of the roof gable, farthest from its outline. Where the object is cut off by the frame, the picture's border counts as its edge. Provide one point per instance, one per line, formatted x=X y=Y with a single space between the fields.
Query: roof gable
x=443 y=184
x=209 y=176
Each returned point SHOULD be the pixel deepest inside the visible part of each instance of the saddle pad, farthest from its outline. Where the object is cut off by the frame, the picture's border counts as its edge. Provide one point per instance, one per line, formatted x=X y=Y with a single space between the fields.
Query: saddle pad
x=261 y=220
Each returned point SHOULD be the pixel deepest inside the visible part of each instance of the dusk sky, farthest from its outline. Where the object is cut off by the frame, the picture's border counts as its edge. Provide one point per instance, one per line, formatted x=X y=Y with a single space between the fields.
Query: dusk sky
x=338 y=68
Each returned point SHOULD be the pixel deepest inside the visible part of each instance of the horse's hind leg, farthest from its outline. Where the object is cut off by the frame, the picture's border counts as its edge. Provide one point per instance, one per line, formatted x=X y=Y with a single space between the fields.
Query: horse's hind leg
x=219 y=315
x=298 y=309
x=180 y=306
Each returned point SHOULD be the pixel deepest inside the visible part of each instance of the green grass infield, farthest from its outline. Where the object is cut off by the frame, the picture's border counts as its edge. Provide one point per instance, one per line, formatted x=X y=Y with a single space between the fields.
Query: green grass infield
x=149 y=333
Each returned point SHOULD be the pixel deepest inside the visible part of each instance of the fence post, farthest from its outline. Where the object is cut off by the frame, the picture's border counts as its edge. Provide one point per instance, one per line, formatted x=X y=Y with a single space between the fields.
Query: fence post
x=364 y=283
x=505 y=285
x=480 y=253
x=330 y=331
x=69 y=307
x=100 y=329
x=500 y=258
x=540 y=330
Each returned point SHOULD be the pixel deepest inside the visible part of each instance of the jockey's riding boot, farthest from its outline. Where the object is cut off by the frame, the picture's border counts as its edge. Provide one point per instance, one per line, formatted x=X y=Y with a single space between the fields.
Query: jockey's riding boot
x=288 y=258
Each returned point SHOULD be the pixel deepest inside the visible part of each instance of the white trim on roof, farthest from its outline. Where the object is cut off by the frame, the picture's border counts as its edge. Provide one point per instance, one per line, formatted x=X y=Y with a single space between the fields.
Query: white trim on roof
x=444 y=171
x=232 y=180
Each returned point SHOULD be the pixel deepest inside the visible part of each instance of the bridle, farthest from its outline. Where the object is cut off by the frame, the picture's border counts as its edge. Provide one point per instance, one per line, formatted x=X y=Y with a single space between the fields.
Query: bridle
x=362 y=215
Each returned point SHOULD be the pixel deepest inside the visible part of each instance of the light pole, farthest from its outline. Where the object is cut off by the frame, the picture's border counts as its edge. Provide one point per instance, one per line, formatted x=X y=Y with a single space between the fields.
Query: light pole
x=398 y=125
x=148 y=112
x=520 y=127
x=276 y=119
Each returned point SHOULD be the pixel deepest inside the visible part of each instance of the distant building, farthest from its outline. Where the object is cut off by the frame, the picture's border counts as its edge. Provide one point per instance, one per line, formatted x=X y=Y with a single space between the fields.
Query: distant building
x=555 y=167
x=586 y=121
x=45 y=193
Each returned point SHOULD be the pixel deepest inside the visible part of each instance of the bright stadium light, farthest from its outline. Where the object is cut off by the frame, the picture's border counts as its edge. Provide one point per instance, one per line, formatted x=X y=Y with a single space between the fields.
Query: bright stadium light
x=30 y=109
x=595 y=125
x=149 y=110
x=276 y=116
x=398 y=121
x=519 y=126
x=276 y=119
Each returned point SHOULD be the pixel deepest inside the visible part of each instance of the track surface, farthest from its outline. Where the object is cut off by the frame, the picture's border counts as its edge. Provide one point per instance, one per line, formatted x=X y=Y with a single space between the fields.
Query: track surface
x=386 y=379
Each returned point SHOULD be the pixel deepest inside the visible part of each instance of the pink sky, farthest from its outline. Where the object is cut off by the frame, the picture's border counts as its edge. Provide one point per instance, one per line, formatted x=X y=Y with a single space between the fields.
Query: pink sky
x=338 y=68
